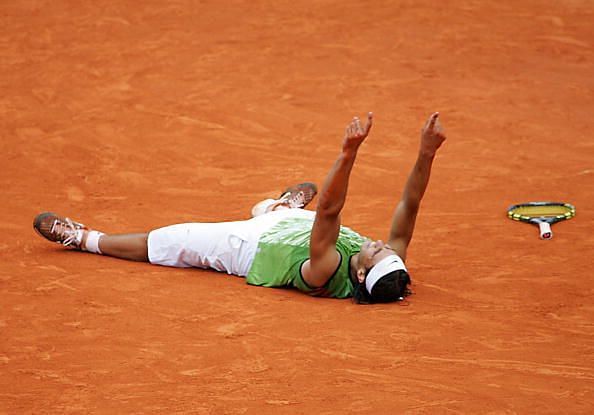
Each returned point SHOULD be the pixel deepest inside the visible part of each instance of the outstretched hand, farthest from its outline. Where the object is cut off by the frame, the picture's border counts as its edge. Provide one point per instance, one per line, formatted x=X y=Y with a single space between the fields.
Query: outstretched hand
x=355 y=133
x=432 y=135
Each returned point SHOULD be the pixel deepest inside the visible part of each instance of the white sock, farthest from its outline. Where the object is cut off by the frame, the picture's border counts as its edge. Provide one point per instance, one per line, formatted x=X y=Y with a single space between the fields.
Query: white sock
x=92 y=243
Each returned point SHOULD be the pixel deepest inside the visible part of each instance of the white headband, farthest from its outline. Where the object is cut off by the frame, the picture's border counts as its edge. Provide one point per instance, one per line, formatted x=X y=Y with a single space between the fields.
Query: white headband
x=385 y=266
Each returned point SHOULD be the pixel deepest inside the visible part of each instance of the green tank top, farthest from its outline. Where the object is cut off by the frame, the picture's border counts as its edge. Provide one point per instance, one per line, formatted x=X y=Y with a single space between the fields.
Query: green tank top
x=285 y=247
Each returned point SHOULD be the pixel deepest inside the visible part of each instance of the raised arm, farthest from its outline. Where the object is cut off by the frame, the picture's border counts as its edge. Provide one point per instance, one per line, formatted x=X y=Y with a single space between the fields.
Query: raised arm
x=324 y=257
x=405 y=215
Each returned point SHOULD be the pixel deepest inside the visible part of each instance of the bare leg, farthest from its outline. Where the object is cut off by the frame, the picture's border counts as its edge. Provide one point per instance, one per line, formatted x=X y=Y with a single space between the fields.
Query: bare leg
x=132 y=246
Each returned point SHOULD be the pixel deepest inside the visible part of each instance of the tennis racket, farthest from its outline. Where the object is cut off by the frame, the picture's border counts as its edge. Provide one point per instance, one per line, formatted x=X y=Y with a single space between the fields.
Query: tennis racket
x=543 y=214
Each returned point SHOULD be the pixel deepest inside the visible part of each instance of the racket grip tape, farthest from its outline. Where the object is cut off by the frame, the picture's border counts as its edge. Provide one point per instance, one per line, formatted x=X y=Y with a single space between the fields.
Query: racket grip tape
x=545 y=230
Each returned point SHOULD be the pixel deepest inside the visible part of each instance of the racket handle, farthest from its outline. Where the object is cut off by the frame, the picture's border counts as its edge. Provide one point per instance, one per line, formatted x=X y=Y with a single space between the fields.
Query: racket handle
x=545 y=230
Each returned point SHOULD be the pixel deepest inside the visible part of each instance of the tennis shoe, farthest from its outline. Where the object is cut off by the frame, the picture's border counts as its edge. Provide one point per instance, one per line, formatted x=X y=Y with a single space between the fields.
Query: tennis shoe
x=300 y=195
x=59 y=229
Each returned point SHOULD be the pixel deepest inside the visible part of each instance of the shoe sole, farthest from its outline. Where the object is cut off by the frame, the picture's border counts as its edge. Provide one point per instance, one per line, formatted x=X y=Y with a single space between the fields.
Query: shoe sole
x=310 y=190
x=41 y=221
x=43 y=225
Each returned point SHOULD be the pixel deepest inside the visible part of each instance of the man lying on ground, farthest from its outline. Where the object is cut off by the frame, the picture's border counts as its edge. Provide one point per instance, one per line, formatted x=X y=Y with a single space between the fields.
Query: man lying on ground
x=284 y=245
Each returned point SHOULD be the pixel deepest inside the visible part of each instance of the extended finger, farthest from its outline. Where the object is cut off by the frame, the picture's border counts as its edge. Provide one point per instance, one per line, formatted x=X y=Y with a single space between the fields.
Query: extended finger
x=353 y=129
x=438 y=126
x=357 y=124
x=432 y=120
x=354 y=124
x=369 y=122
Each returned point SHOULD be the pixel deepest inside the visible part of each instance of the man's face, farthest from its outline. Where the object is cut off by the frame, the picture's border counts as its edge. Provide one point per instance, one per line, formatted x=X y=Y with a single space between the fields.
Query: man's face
x=373 y=252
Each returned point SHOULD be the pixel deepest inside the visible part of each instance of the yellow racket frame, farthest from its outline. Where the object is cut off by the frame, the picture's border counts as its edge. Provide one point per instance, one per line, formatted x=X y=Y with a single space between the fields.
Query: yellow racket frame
x=543 y=214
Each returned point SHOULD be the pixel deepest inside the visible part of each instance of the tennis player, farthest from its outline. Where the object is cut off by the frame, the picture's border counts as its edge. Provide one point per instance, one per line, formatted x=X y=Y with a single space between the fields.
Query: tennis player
x=284 y=245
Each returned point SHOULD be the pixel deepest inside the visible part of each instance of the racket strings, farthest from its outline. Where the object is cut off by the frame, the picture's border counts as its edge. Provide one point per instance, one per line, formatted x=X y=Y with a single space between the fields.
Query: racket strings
x=546 y=211
x=542 y=212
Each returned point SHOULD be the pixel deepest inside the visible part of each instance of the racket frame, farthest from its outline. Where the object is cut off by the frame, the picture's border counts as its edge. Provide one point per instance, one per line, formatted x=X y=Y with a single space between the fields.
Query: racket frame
x=543 y=222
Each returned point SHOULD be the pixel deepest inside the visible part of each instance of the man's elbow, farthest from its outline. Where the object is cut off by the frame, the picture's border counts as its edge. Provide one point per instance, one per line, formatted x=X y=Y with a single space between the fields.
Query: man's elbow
x=328 y=208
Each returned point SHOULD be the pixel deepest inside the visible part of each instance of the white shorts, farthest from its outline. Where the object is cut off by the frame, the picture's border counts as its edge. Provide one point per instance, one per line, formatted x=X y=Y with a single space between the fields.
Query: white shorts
x=224 y=246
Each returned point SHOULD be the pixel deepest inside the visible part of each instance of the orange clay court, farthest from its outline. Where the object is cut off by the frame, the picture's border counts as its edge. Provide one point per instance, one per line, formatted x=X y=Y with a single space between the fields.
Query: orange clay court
x=128 y=116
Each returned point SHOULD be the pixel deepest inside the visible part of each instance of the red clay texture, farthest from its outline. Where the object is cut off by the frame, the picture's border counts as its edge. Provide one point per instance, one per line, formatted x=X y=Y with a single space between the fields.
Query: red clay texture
x=127 y=116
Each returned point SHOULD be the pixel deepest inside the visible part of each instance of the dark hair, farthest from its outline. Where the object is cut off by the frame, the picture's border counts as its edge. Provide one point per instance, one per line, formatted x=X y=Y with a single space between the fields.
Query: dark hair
x=391 y=287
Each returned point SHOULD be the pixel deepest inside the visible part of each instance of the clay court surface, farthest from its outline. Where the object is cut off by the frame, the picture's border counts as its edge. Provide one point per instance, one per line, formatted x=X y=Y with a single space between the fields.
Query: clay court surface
x=129 y=116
